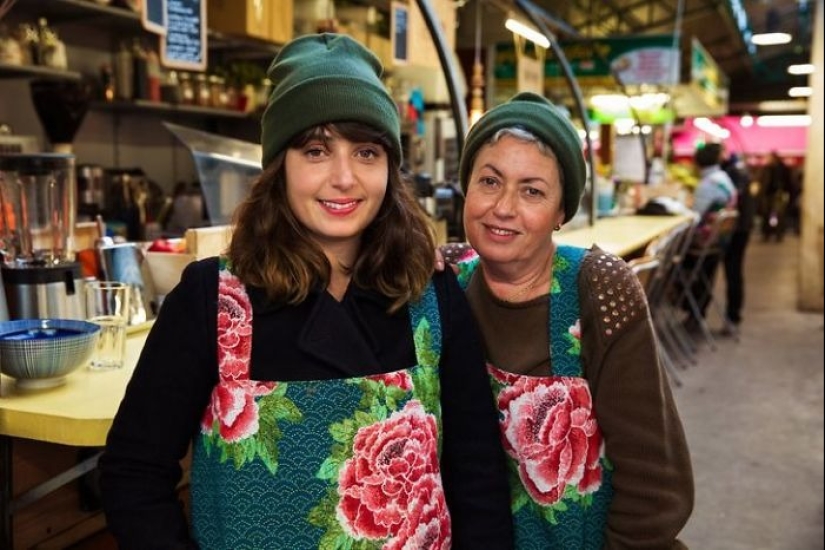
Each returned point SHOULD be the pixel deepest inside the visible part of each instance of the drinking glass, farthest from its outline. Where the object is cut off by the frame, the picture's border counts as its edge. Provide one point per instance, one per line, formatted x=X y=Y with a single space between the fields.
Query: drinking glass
x=107 y=304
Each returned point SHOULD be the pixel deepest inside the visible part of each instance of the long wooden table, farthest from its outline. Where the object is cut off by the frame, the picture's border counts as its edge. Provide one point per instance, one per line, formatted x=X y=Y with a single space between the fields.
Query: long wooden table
x=621 y=235
x=78 y=413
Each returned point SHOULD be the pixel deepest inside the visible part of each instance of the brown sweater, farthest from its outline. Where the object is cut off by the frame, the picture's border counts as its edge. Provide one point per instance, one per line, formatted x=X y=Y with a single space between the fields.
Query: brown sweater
x=653 y=478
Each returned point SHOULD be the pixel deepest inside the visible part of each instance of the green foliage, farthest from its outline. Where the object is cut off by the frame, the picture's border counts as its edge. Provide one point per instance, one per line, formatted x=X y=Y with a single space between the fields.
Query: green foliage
x=575 y=344
x=423 y=339
x=264 y=444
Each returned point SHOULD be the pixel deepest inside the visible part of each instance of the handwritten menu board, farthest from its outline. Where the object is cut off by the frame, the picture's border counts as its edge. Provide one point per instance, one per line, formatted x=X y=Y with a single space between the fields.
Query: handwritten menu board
x=153 y=16
x=399 y=32
x=184 y=45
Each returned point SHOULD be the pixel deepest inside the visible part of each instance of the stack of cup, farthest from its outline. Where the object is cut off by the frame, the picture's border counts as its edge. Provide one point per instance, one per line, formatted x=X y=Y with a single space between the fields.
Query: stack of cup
x=107 y=304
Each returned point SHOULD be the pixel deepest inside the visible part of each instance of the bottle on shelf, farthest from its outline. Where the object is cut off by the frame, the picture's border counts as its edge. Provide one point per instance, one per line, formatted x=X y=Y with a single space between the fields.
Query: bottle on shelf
x=124 y=73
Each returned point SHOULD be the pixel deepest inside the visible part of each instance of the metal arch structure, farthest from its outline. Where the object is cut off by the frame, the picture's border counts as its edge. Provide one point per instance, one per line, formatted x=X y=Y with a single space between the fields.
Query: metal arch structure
x=450 y=70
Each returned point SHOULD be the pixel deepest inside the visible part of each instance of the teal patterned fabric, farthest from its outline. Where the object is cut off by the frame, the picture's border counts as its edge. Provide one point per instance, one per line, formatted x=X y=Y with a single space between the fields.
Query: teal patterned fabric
x=332 y=464
x=560 y=479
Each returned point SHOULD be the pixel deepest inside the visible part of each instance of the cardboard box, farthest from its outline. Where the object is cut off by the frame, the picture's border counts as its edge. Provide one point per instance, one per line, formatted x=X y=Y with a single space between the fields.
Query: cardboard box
x=240 y=17
x=203 y=242
x=281 y=20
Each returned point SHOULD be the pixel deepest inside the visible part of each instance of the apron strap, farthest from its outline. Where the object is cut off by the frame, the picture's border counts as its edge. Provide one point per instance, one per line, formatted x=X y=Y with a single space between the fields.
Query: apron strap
x=426 y=326
x=565 y=349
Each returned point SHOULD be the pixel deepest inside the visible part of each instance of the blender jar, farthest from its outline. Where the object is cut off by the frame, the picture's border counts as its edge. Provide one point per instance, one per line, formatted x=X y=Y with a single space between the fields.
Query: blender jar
x=37 y=209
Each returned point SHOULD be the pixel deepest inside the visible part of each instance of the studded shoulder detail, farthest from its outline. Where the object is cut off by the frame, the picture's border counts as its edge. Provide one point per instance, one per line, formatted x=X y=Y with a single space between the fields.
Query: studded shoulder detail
x=615 y=291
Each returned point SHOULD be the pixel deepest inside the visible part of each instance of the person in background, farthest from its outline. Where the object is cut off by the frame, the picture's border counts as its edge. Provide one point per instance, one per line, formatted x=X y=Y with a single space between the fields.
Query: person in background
x=597 y=453
x=714 y=192
x=734 y=259
x=332 y=390
x=776 y=184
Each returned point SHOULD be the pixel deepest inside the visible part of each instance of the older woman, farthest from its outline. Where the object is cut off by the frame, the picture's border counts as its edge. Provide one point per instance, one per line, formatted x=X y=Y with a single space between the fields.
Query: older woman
x=597 y=451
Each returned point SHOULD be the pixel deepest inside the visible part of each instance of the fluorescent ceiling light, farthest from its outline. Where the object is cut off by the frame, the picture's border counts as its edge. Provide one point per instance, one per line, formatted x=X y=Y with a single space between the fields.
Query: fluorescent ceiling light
x=801 y=91
x=710 y=127
x=529 y=33
x=771 y=38
x=773 y=121
x=804 y=68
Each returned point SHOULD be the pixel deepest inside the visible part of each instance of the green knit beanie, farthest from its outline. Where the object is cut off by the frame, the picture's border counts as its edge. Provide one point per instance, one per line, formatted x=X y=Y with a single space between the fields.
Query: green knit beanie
x=324 y=78
x=541 y=118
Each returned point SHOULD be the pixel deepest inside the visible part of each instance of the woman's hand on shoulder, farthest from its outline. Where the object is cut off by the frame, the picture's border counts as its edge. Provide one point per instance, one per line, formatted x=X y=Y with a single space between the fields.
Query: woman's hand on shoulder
x=451 y=254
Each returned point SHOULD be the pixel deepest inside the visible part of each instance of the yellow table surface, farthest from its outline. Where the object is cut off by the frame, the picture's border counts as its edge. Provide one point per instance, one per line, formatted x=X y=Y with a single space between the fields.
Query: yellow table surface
x=77 y=413
x=620 y=235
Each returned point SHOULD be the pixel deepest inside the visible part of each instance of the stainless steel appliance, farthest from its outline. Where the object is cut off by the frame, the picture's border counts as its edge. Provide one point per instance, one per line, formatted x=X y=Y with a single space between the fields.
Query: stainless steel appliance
x=41 y=278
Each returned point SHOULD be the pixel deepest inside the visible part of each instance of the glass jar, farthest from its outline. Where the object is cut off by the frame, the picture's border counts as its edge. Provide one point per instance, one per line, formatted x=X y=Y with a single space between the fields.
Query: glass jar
x=217 y=91
x=202 y=93
x=187 y=89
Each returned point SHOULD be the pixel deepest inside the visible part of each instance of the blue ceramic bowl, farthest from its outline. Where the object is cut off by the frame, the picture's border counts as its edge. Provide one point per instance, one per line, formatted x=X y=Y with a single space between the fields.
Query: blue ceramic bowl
x=39 y=353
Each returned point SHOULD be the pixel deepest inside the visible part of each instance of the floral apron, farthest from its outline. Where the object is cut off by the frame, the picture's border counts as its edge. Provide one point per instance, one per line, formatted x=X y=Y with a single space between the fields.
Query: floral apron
x=560 y=480
x=331 y=464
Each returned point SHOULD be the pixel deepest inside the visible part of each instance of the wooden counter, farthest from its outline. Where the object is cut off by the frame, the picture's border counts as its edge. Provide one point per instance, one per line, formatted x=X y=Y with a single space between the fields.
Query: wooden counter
x=49 y=442
x=77 y=413
x=623 y=236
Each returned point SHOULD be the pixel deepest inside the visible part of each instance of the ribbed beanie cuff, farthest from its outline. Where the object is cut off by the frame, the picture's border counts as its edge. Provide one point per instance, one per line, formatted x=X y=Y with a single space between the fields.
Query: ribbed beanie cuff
x=541 y=118
x=324 y=78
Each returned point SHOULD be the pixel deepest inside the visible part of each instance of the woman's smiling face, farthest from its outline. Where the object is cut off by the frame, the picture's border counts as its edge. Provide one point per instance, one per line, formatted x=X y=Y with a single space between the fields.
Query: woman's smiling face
x=513 y=201
x=335 y=187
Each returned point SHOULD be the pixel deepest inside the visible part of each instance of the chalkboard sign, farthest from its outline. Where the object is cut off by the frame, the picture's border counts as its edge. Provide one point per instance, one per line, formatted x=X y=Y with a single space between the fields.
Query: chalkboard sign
x=399 y=32
x=184 y=46
x=153 y=16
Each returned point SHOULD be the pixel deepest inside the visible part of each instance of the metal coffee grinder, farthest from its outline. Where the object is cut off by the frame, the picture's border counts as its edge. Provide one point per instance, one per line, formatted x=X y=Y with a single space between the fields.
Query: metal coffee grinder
x=40 y=276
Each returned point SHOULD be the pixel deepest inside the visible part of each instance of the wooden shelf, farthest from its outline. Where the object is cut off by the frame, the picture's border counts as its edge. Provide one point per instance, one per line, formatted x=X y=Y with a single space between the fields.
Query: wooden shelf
x=85 y=11
x=143 y=106
x=36 y=71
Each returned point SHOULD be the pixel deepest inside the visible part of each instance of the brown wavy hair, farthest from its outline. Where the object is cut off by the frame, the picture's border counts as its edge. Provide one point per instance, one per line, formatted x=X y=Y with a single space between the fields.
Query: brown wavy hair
x=272 y=250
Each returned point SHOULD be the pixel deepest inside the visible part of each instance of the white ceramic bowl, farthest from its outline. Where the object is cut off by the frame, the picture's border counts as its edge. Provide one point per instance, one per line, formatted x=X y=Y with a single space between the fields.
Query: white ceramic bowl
x=39 y=353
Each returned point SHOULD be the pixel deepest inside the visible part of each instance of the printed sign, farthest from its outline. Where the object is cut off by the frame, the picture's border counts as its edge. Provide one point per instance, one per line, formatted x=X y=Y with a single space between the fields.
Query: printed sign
x=184 y=46
x=399 y=32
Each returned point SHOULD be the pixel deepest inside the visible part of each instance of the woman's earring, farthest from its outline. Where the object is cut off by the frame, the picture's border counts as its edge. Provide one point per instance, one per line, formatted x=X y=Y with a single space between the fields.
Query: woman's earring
x=558 y=227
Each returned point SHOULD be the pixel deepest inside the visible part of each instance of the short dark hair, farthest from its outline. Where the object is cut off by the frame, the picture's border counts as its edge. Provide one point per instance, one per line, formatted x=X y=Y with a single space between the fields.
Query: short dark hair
x=708 y=155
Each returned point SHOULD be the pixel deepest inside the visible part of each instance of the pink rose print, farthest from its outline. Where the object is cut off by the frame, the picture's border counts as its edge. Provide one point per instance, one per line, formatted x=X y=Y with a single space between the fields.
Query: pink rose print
x=383 y=485
x=234 y=328
x=549 y=428
x=576 y=330
x=502 y=376
x=233 y=405
x=428 y=524
x=401 y=379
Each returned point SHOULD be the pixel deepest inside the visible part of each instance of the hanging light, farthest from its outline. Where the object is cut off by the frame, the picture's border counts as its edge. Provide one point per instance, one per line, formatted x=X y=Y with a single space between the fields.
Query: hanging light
x=801 y=69
x=477 y=79
x=525 y=31
x=772 y=36
x=801 y=91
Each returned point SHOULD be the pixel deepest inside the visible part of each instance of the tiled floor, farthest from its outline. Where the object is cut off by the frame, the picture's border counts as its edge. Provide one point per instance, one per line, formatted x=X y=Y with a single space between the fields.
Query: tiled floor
x=753 y=414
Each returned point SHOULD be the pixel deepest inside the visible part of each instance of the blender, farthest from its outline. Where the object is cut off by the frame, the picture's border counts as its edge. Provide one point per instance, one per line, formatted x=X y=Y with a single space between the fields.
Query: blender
x=37 y=214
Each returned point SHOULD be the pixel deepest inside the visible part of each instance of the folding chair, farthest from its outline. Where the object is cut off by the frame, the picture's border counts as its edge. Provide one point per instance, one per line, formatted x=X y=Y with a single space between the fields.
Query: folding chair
x=670 y=250
x=646 y=269
x=694 y=282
